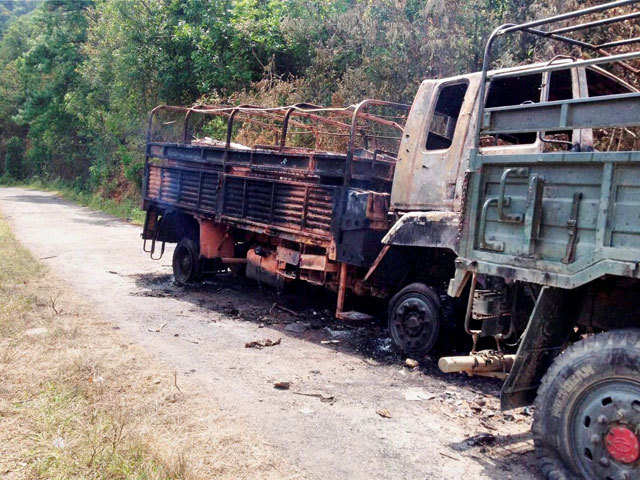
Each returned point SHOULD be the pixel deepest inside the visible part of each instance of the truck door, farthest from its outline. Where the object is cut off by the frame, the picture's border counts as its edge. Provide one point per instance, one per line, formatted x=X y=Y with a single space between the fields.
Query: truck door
x=431 y=147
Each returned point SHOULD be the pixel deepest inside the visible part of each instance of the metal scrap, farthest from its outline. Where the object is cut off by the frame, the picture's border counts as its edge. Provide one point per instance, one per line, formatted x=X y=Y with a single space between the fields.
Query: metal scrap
x=411 y=363
x=481 y=439
x=323 y=398
x=259 y=344
x=284 y=309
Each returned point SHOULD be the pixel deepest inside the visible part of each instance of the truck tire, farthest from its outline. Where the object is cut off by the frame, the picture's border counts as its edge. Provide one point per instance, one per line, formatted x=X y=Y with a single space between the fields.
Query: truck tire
x=186 y=262
x=415 y=316
x=587 y=418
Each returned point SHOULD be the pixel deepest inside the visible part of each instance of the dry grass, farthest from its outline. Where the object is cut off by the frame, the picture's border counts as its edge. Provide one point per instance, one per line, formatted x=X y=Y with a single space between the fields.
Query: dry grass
x=78 y=403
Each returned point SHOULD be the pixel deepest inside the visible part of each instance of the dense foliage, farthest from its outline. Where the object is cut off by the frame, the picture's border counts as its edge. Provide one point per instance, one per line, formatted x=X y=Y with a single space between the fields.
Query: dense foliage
x=12 y=9
x=77 y=77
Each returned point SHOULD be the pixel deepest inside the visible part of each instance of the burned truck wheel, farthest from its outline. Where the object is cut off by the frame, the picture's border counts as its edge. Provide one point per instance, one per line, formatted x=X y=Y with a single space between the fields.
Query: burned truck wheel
x=414 y=319
x=587 y=417
x=186 y=262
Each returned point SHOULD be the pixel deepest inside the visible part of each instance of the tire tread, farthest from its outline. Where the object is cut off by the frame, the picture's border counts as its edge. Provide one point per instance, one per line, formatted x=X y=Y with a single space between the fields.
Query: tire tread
x=549 y=459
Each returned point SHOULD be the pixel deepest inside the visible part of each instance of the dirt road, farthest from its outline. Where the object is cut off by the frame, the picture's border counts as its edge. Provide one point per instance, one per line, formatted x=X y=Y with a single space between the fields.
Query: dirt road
x=333 y=433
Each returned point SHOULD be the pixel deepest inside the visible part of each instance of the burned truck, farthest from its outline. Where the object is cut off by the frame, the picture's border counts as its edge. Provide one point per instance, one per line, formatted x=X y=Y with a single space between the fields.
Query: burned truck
x=316 y=211
x=512 y=194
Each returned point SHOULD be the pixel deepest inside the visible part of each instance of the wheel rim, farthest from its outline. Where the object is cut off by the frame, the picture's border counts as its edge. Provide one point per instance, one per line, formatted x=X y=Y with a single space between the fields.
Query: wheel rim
x=414 y=324
x=605 y=429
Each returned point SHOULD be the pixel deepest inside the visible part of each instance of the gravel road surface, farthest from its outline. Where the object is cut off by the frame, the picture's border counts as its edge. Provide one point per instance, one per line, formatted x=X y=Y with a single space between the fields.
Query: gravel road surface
x=326 y=423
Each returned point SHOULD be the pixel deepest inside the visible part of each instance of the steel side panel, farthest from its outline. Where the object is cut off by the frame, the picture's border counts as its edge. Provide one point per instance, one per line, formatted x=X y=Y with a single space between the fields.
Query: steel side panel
x=608 y=222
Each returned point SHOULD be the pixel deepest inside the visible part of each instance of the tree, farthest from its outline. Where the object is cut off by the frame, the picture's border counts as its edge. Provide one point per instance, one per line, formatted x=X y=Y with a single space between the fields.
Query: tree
x=48 y=73
x=78 y=77
x=14 y=158
x=10 y=10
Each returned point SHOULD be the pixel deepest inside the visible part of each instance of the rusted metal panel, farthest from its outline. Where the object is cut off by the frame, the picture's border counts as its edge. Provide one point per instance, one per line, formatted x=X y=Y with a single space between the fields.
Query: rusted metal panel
x=279 y=203
x=317 y=262
x=262 y=266
x=215 y=241
x=287 y=255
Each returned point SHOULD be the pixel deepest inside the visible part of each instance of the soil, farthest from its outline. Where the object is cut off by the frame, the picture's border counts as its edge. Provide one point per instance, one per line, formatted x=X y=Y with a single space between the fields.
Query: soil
x=352 y=408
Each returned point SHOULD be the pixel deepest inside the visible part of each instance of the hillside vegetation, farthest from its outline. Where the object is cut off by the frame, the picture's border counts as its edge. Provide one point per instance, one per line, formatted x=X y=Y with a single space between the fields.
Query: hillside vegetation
x=78 y=77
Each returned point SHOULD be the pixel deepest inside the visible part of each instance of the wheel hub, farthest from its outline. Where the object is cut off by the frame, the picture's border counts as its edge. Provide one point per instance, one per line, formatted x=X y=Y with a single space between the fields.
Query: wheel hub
x=622 y=444
x=412 y=314
x=414 y=324
x=606 y=422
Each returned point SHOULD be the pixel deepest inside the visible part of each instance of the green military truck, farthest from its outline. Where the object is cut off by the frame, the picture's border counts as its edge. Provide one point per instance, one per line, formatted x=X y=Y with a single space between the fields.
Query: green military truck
x=505 y=203
x=548 y=250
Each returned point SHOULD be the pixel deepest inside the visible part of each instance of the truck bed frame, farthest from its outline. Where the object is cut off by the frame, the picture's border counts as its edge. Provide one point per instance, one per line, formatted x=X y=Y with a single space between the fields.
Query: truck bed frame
x=322 y=203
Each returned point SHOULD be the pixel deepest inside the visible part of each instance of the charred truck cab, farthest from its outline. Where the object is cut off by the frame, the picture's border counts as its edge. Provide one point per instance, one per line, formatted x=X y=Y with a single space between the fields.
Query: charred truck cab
x=504 y=203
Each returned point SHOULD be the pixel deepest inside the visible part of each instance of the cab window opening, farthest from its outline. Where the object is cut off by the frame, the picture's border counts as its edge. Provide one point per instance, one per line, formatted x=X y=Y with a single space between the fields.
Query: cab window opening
x=443 y=123
x=521 y=90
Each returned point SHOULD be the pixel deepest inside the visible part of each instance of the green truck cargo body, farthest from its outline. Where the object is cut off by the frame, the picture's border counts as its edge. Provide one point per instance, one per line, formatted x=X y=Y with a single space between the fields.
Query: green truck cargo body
x=557 y=219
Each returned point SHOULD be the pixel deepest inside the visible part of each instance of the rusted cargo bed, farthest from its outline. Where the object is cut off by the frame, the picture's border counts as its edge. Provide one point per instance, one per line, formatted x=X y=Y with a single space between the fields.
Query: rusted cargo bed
x=335 y=201
x=293 y=193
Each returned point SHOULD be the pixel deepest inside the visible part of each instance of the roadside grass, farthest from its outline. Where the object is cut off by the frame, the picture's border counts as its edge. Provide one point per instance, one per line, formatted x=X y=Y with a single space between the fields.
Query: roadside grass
x=17 y=267
x=76 y=402
x=57 y=420
x=124 y=208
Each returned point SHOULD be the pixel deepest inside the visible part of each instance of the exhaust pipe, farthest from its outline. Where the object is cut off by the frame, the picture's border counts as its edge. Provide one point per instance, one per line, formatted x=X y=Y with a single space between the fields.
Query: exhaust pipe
x=479 y=363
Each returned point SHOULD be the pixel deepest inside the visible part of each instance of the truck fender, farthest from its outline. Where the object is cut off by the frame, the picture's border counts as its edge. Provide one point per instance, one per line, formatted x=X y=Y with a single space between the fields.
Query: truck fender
x=175 y=225
x=434 y=229
x=545 y=337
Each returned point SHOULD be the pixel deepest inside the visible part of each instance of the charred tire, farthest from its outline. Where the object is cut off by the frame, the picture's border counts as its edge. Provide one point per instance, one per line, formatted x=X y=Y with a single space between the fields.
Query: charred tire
x=588 y=410
x=415 y=317
x=186 y=262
